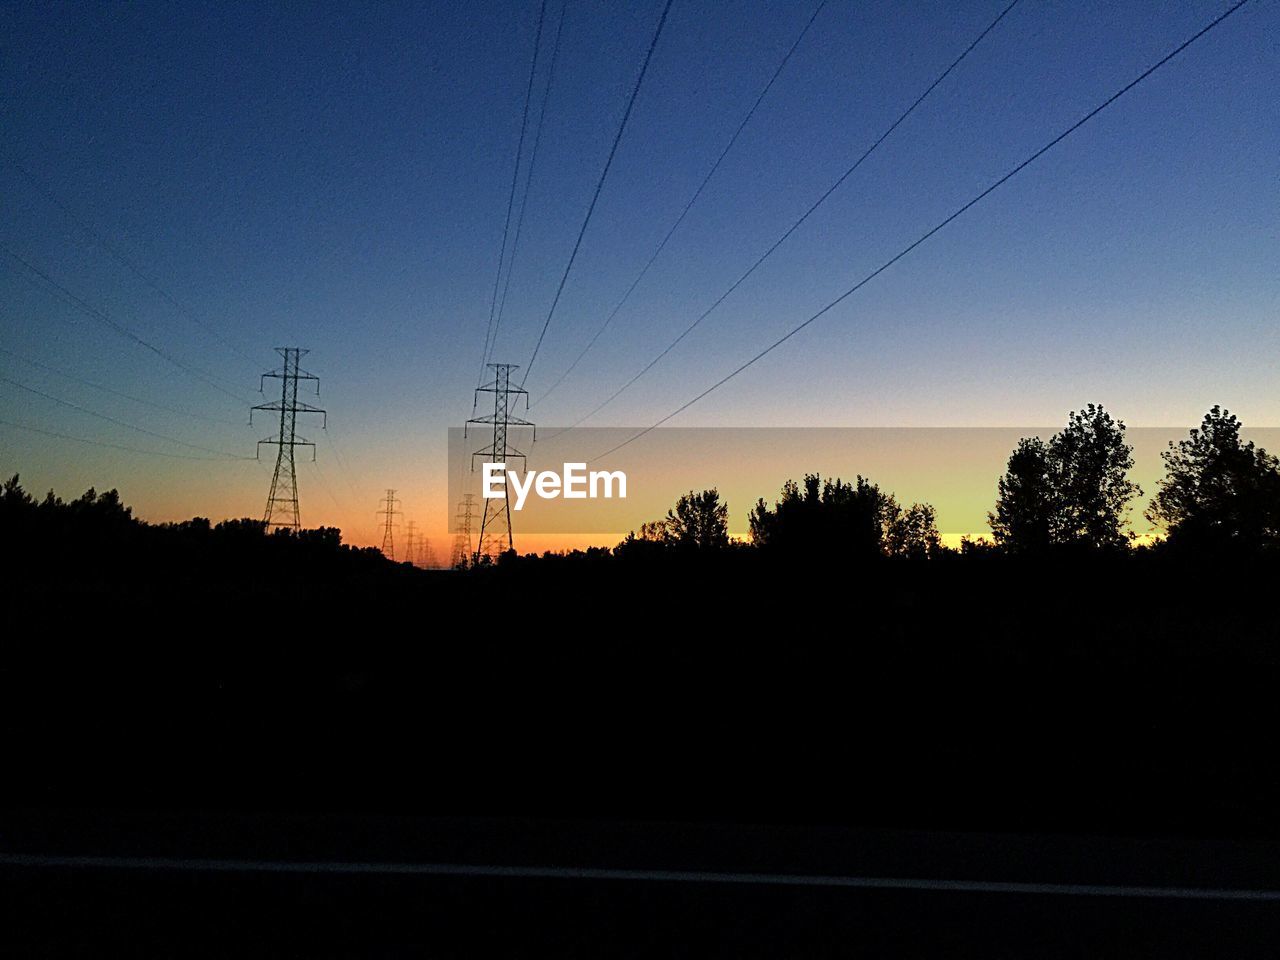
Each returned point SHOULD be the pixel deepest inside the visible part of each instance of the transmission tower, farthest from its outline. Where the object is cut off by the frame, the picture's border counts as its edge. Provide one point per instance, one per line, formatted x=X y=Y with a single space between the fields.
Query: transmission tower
x=424 y=553
x=410 y=541
x=282 y=501
x=389 y=512
x=462 y=539
x=495 y=523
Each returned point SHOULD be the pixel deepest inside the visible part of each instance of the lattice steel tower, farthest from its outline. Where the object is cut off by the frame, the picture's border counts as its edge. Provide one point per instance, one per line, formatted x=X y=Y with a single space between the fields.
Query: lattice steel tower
x=282 y=501
x=495 y=523
x=411 y=541
x=462 y=539
x=389 y=513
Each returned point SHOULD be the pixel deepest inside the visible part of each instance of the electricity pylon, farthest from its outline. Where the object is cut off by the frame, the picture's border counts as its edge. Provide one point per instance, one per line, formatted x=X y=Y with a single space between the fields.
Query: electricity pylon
x=495 y=523
x=282 y=501
x=410 y=541
x=462 y=539
x=424 y=553
x=389 y=513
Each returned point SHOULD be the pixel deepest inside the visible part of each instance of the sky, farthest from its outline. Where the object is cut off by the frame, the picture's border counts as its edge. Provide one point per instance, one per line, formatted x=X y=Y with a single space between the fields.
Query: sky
x=336 y=177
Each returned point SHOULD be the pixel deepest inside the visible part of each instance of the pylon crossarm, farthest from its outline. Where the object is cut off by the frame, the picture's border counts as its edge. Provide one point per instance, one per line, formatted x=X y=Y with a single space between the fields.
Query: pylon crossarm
x=502 y=458
x=490 y=419
x=307 y=408
x=264 y=406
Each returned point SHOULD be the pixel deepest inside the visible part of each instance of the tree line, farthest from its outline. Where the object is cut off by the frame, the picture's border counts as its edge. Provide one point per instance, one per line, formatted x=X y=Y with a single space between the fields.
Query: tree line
x=96 y=537
x=1068 y=494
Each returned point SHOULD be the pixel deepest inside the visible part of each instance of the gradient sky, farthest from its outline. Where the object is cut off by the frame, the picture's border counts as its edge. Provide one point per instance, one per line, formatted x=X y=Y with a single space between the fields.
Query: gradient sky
x=336 y=177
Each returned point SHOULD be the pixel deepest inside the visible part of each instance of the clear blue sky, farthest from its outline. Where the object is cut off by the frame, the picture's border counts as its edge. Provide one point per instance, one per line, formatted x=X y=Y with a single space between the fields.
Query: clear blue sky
x=336 y=176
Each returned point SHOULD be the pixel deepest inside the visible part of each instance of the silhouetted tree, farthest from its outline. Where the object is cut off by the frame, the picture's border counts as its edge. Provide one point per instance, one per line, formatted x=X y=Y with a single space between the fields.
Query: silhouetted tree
x=1091 y=462
x=649 y=542
x=321 y=538
x=1025 y=502
x=12 y=494
x=100 y=511
x=16 y=505
x=18 y=517
x=832 y=517
x=1072 y=491
x=654 y=531
x=1218 y=491
x=972 y=549
x=913 y=532
x=698 y=520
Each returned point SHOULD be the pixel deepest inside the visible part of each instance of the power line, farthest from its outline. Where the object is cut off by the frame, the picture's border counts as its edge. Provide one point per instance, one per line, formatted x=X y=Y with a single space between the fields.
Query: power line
x=906 y=250
x=125 y=396
x=528 y=179
x=511 y=199
x=125 y=261
x=342 y=466
x=805 y=216
x=118 y=446
x=635 y=90
x=324 y=484
x=688 y=206
x=121 y=423
x=119 y=328
x=358 y=531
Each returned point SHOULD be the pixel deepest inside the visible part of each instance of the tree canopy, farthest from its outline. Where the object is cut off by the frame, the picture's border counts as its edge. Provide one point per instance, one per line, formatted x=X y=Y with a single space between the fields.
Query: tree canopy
x=1218 y=491
x=1073 y=491
x=830 y=517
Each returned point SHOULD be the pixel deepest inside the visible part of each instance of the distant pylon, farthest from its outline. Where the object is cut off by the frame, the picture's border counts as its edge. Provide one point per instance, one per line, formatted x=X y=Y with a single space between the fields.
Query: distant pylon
x=424 y=552
x=462 y=539
x=389 y=513
x=495 y=523
x=410 y=541
x=282 y=502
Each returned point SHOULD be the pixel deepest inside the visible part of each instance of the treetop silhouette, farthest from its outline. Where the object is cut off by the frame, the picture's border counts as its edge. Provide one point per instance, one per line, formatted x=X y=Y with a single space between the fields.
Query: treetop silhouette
x=1072 y=491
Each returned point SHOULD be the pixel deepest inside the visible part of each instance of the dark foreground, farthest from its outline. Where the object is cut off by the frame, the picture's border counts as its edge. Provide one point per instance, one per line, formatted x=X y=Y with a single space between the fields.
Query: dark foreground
x=164 y=885
x=1088 y=699
x=938 y=722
